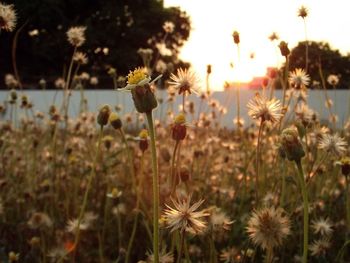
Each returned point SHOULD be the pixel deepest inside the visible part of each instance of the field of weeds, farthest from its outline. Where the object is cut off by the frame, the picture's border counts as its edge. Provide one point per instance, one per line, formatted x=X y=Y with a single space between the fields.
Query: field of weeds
x=180 y=189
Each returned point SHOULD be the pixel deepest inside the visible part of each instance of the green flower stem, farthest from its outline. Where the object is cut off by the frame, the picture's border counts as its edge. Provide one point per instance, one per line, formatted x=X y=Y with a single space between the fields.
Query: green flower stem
x=258 y=161
x=66 y=89
x=134 y=228
x=155 y=187
x=306 y=47
x=306 y=210
x=131 y=164
x=238 y=96
x=269 y=255
x=320 y=71
x=173 y=174
x=180 y=246
x=283 y=191
x=285 y=87
x=347 y=193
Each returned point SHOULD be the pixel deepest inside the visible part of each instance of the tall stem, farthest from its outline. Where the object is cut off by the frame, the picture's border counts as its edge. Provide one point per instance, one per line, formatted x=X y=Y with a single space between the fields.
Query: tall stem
x=306 y=209
x=155 y=187
x=347 y=193
x=238 y=99
x=131 y=164
x=306 y=48
x=173 y=175
x=66 y=88
x=257 y=161
x=134 y=228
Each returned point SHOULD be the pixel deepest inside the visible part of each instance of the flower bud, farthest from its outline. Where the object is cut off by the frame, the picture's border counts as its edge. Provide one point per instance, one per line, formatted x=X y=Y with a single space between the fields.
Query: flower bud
x=345 y=165
x=291 y=145
x=179 y=128
x=107 y=141
x=115 y=121
x=143 y=144
x=103 y=115
x=236 y=37
x=144 y=98
x=284 y=49
x=13 y=95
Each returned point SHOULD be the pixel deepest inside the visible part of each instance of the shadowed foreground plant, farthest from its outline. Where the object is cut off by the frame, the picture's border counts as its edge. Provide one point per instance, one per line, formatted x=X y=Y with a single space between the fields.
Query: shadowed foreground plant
x=139 y=84
x=291 y=147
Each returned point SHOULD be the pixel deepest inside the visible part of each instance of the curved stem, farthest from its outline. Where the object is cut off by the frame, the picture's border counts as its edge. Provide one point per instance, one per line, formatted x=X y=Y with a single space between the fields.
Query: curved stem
x=306 y=210
x=155 y=187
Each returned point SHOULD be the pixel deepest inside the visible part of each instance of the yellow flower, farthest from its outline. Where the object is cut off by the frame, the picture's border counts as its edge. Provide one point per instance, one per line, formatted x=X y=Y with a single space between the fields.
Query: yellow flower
x=137 y=76
x=180 y=119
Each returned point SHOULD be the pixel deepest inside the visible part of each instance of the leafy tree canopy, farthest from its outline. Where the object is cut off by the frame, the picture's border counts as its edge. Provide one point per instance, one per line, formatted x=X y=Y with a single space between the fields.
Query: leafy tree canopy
x=332 y=62
x=118 y=27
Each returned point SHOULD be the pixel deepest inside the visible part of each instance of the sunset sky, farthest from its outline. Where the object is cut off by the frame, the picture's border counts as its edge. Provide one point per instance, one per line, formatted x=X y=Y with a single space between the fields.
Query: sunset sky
x=213 y=23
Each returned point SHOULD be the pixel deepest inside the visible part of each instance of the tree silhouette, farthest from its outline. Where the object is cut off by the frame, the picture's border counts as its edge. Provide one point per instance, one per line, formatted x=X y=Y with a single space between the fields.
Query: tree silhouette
x=332 y=62
x=121 y=26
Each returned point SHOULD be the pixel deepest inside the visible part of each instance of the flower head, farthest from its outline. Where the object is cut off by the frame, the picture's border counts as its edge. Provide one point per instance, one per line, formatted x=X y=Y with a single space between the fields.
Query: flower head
x=184 y=217
x=273 y=36
x=80 y=58
x=333 y=80
x=284 y=48
x=345 y=165
x=333 y=144
x=168 y=27
x=303 y=12
x=184 y=81
x=320 y=247
x=299 y=79
x=290 y=144
x=235 y=36
x=8 y=17
x=164 y=257
x=76 y=35
x=322 y=226
x=39 y=220
x=268 y=227
x=264 y=109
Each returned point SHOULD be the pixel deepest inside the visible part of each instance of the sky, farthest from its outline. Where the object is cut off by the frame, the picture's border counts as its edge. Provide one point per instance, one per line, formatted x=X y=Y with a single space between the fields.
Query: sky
x=213 y=23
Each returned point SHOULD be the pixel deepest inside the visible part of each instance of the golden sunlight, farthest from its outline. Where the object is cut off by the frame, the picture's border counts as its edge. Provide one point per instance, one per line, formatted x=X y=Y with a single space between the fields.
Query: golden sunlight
x=213 y=23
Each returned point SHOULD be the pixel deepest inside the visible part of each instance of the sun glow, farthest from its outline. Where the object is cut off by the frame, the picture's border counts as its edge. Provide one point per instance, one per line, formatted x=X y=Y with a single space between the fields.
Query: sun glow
x=211 y=40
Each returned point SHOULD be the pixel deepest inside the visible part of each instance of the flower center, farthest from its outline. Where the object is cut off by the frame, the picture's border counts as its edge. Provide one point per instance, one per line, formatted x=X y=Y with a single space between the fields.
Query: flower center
x=136 y=76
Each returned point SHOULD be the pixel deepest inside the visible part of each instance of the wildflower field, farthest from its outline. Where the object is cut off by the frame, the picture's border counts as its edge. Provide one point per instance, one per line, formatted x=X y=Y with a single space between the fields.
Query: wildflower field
x=177 y=188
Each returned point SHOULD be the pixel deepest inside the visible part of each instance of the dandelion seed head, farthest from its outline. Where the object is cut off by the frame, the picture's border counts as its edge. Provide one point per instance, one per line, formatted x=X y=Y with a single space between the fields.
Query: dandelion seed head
x=184 y=216
x=264 y=109
x=322 y=226
x=76 y=36
x=268 y=227
x=299 y=79
x=184 y=81
x=8 y=18
x=303 y=12
x=333 y=144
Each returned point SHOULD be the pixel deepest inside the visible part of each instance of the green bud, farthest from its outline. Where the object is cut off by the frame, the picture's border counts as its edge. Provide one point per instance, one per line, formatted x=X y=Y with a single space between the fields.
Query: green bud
x=115 y=121
x=144 y=98
x=291 y=144
x=103 y=115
